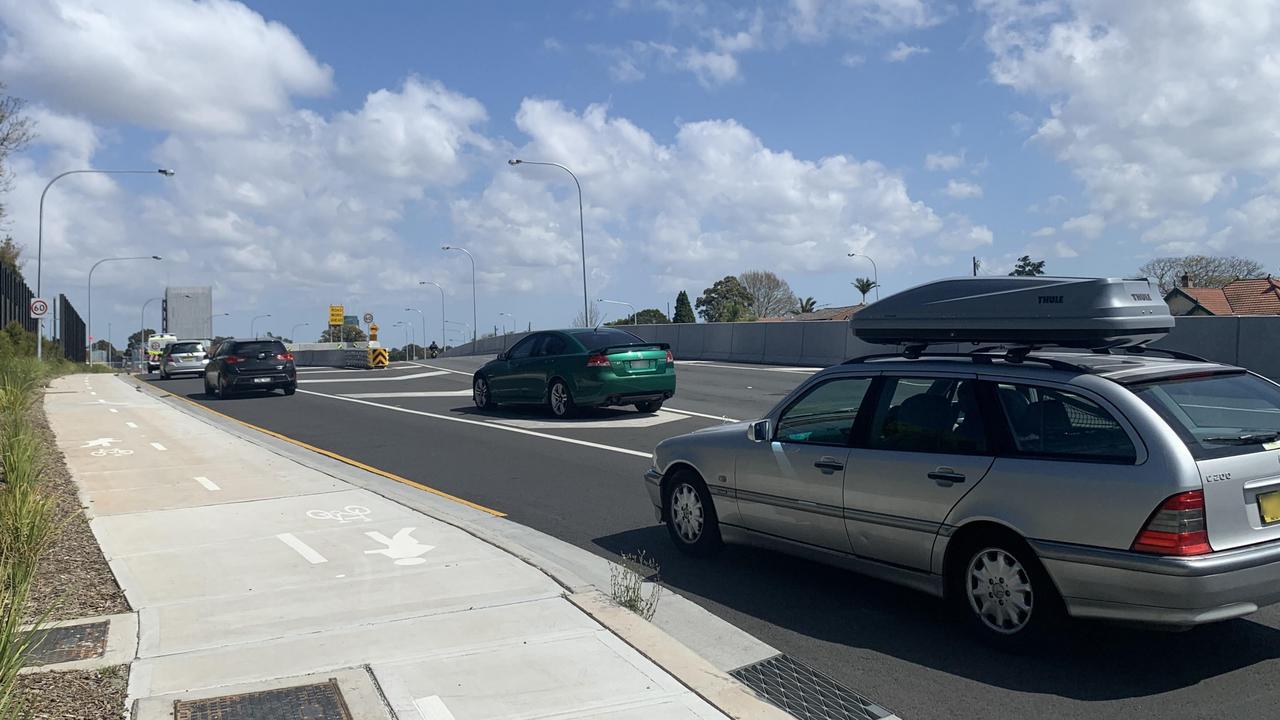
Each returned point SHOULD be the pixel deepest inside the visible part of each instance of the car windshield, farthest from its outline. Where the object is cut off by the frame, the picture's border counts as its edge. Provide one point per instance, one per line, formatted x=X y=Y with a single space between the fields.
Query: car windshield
x=254 y=348
x=605 y=337
x=187 y=347
x=1219 y=415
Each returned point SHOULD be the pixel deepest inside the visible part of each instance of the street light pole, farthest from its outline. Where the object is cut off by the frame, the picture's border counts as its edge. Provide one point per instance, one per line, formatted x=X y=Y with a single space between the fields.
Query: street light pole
x=634 y=319
x=442 y=323
x=142 y=329
x=40 y=234
x=582 y=232
x=253 y=322
x=89 y=300
x=874 y=271
x=475 y=324
x=504 y=323
x=293 y=334
x=424 y=331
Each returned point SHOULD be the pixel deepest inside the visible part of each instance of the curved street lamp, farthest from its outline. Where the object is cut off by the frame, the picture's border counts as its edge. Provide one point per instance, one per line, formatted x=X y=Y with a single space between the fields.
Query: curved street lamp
x=875 y=272
x=40 y=232
x=582 y=232
x=142 y=329
x=475 y=324
x=88 y=324
x=293 y=334
x=253 y=322
x=635 y=320
x=424 y=329
x=442 y=322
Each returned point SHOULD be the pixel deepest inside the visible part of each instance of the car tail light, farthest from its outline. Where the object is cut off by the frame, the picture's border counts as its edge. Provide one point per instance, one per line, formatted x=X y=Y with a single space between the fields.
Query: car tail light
x=233 y=359
x=670 y=358
x=1177 y=527
x=285 y=356
x=598 y=361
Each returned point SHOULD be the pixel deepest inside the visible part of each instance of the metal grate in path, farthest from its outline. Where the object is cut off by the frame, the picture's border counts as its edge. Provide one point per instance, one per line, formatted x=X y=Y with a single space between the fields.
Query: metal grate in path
x=805 y=692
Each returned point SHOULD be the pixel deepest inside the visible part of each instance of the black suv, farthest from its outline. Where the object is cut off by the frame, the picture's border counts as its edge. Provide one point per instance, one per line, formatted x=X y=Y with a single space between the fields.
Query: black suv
x=250 y=365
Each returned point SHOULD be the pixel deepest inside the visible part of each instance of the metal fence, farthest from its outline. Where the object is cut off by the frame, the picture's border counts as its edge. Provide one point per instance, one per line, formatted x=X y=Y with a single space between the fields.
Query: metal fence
x=15 y=299
x=71 y=331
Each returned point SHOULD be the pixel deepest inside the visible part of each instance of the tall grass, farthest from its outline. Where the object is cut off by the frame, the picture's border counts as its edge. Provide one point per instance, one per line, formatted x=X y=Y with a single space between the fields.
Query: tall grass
x=28 y=519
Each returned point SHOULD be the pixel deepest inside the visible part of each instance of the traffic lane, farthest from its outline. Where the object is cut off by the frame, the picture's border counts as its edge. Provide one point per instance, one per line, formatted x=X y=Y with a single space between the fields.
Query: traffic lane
x=894 y=645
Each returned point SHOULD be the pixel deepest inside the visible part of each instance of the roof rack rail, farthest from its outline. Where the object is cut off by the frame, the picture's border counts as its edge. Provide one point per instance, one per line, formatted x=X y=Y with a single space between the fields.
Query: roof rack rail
x=1175 y=354
x=1014 y=356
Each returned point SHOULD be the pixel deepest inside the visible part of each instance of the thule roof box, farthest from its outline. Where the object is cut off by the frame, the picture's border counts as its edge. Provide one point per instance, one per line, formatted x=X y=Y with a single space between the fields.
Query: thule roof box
x=1092 y=313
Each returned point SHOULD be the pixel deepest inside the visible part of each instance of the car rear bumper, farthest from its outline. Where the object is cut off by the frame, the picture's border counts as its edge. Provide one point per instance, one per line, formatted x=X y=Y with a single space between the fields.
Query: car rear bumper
x=266 y=380
x=625 y=390
x=1122 y=585
x=183 y=368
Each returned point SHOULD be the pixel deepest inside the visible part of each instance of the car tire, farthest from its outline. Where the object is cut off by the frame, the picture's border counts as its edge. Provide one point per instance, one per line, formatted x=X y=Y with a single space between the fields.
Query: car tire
x=290 y=389
x=482 y=394
x=651 y=406
x=222 y=391
x=1030 y=607
x=560 y=400
x=690 y=515
x=208 y=389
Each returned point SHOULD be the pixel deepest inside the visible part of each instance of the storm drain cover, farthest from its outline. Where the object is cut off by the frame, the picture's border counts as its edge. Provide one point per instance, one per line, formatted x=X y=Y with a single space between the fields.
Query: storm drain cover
x=322 y=701
x=73 y=642
x=805 y=692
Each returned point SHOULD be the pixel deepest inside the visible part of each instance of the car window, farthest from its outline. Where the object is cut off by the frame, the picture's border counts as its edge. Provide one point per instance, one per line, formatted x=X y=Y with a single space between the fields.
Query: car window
x=522 y=349
x=554 y=345
x=186 y=347
x=257 y=347
x=1218 y=416
x=605 y=337
x=1060 y=424
x=937 y=415
x=824 y=415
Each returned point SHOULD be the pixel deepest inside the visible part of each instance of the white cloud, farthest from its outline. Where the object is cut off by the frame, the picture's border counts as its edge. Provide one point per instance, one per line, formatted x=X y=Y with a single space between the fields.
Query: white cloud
x=943 y=161
x=961 y=235
x=1044 y=232
x=817 y=20
x=551 y=44
x=1257 y=220
x=712 y=68
x=1089 y=226
x=1179 y=233
x=853 y=60
x=1051 y=204
x=1158 y=108
x=1063 y=250
x=211 y=66
x=962 y=189
x=903 y=52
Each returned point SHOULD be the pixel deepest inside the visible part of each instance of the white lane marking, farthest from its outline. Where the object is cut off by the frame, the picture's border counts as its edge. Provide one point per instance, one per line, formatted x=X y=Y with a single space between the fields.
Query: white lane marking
x=207 y=483
x=715 y=364
x=158 y=446
x=701 y=415
x=303 y=549
x=496 y=426
x=133 y=425
x=386 y=378
x=113 y=410
x=421 y=394
x=448 y=370
x=620 y=420
x=93 y=393
x=331 y=371
x=432 y=708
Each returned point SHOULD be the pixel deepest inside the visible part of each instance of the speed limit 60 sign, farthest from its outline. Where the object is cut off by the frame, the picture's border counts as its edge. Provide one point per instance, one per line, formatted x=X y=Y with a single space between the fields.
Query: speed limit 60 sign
x=39 y=308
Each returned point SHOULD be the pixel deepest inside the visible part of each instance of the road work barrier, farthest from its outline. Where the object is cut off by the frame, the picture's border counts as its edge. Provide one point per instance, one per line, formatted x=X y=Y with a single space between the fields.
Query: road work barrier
x=1252 y=342
x=339 y=355
x=378 y=358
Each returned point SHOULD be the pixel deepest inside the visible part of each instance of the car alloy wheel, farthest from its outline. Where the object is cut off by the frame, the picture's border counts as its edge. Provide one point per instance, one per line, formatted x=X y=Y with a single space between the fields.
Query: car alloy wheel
x=559 y=399
x=687 y=515
x=480 y=393
x=999 y=591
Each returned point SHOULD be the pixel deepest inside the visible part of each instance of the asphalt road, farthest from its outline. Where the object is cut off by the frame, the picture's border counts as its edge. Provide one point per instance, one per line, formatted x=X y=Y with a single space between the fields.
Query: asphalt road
x=580 y=481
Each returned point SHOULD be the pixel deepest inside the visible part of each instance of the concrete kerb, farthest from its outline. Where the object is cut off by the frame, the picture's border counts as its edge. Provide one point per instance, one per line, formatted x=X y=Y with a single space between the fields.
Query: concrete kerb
x=567 y=565
x=121 y=647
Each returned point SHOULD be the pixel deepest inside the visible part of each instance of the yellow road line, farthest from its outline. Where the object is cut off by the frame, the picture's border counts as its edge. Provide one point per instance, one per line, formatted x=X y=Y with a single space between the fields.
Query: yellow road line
x=346 y=460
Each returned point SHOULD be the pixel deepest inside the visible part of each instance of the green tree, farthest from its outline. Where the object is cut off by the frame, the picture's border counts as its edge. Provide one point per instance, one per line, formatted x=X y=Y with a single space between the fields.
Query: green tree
x=1028 y=267
x=15 y=133
x=136 y=338
x=648 y=316
x=1200 y=270
x=864 y=286
x=346 y=333
x=684 y=311
x=10 y=254
x=807 y=305
x=725 y=301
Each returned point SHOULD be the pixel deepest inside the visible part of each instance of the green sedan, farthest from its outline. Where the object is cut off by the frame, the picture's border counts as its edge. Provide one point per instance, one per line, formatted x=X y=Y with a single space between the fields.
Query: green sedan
x=571 y=369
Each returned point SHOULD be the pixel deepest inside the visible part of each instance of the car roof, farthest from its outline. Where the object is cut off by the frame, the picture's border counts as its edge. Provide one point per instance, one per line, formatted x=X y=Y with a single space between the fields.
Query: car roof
x=1124 y=368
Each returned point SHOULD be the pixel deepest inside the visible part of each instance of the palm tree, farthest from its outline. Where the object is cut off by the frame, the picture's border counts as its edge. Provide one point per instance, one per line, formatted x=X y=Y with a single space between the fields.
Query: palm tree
x=864 y=286
x=807 y=305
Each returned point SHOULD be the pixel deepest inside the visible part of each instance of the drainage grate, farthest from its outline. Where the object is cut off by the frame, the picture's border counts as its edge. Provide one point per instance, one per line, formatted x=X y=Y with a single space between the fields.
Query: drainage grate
x=322 y=701
x=72 y=642
x=805 y=692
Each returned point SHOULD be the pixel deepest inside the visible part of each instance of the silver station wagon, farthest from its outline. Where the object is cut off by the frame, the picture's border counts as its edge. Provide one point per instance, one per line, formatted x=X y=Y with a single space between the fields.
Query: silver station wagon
x=1127 y=484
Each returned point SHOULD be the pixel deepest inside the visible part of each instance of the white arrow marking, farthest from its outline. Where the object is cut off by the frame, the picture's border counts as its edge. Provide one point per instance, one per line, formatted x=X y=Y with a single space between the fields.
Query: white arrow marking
x=100 y=442
x=302 y=548
x=402 y=548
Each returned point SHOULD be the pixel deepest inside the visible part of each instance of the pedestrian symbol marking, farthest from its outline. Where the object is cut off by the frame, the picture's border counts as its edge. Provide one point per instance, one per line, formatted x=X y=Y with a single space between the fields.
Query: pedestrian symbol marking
x=402 y=547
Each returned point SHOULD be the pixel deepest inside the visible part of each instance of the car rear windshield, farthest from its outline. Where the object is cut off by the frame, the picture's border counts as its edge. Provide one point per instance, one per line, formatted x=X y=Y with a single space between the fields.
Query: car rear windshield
x=186 y=347
x=605 y=337
x=1218 y=415
x=257 y=347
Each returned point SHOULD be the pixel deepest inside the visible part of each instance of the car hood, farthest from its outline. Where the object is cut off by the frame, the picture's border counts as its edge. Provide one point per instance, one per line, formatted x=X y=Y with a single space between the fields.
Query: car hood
x=738 y=428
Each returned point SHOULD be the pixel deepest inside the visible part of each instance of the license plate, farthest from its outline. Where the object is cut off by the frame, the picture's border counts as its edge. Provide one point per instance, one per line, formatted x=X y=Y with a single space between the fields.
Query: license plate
x=641 y=364
x=1269 y=507
x=262 y=379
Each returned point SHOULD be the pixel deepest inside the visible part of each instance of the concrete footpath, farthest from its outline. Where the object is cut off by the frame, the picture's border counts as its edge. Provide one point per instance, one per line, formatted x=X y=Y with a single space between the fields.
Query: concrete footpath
x=252 y=571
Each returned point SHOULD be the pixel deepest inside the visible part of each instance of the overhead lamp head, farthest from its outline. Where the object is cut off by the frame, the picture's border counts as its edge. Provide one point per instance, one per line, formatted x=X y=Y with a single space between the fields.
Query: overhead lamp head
x=514 y=161
x=165 y=172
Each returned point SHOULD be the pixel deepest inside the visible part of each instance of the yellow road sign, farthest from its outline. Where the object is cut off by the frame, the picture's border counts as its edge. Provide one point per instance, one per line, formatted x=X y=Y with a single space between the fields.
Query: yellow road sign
x=379 y=358
x=336 y=314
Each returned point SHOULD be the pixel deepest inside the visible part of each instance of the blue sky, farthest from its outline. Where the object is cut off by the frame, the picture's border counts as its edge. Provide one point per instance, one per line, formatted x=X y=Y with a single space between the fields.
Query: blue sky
x=326 y=150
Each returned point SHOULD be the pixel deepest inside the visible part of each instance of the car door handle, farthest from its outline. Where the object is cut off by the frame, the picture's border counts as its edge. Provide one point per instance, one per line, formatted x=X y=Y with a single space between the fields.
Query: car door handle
x=944 y=474
x=829 y=465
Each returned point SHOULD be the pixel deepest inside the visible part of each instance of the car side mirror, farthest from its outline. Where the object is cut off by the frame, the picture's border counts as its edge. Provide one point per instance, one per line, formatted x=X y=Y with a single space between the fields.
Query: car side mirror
x=758 y=431
x=502 y=356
